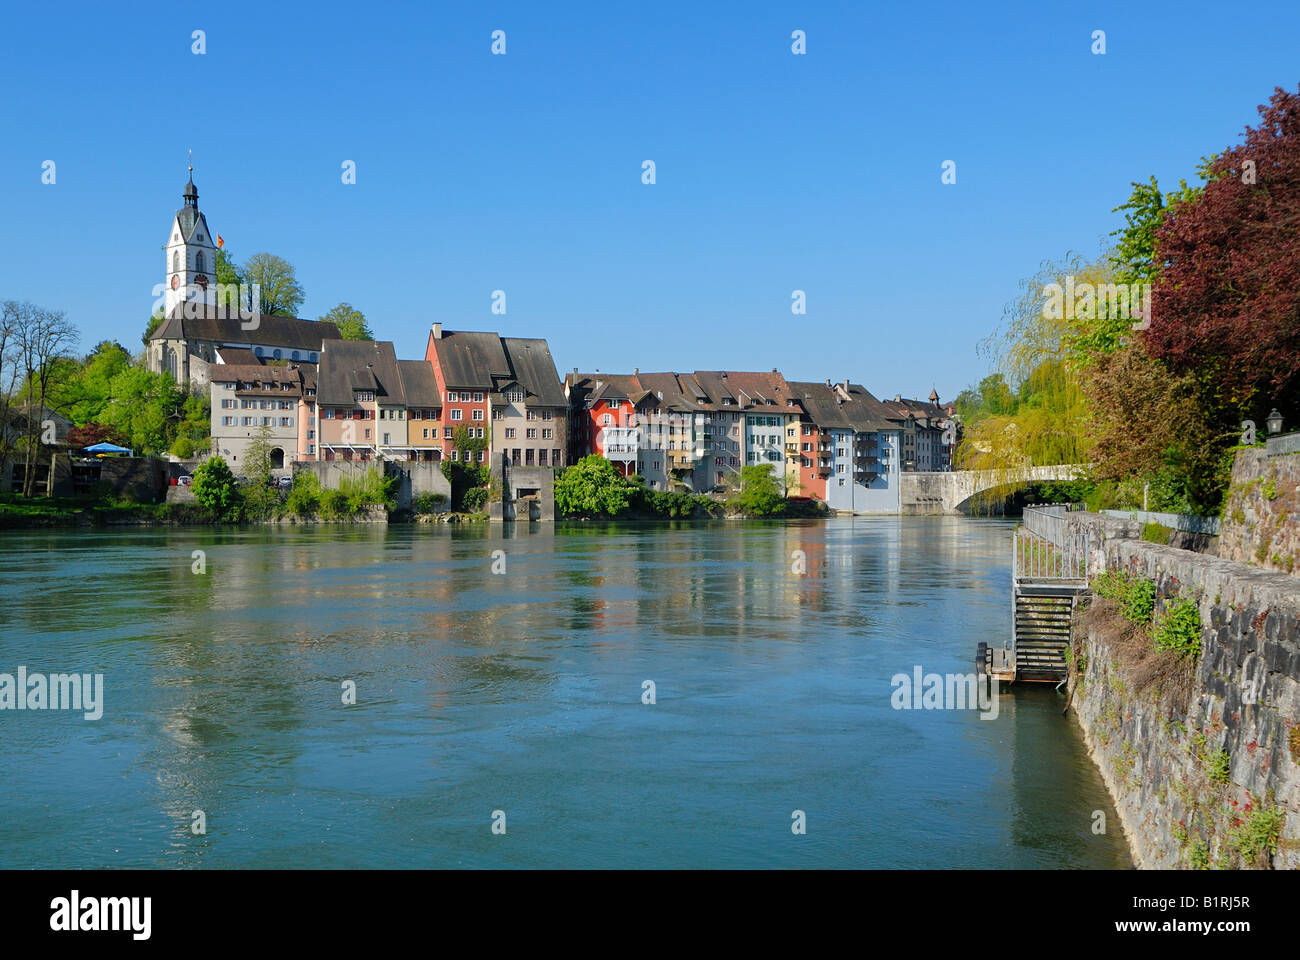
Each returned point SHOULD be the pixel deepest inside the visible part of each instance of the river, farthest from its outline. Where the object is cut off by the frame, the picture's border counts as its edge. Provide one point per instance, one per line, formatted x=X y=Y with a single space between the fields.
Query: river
x=516 y=698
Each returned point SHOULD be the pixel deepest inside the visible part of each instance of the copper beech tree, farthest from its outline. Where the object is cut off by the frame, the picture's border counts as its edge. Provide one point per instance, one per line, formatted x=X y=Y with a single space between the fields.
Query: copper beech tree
x=1226 y=302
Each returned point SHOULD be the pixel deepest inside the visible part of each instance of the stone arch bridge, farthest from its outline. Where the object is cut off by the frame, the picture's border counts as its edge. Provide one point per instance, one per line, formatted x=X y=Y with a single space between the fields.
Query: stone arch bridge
x=952 y=492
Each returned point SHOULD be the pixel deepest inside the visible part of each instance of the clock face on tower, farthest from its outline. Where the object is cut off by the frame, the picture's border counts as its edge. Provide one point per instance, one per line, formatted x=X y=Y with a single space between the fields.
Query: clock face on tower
x=202 y=281
x=176 y=280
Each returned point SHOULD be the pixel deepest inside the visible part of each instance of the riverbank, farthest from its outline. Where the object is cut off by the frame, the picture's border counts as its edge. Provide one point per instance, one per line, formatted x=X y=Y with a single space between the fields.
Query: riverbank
x=40 y=512
x=1199 y=748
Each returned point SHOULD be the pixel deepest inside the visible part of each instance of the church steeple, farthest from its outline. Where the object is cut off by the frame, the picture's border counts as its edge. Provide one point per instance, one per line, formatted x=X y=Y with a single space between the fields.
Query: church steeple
x=191 y=253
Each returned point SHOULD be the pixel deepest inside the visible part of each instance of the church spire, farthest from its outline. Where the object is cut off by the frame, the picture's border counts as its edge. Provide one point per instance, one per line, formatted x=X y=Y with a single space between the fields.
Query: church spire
x=191 y=193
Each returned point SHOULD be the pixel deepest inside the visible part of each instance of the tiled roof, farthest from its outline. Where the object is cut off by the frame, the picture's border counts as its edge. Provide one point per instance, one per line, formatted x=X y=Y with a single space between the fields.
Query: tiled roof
x=220 y=325
x=471 y=359
x=418 y=383
x=534 y=369
x=350 y=365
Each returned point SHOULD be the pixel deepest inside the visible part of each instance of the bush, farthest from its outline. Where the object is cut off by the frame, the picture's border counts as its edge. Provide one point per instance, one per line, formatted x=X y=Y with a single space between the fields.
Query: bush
x=1135 y=595
x=593 y=488
x=215 y=488
x=759 y=494
x=473 y=499
x=1157 y=533
x=428 y=502
x=333 y=504
x=304 y=496
x=1179 y=628
x=183 y=448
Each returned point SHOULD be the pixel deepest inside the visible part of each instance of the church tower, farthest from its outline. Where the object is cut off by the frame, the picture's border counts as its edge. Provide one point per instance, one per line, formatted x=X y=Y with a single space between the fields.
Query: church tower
x=191 y=253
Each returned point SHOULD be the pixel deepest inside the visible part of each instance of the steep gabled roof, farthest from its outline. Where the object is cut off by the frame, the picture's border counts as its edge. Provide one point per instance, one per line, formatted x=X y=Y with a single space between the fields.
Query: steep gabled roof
x=222 y=325
x=350 y=365
x=471 y=359
x=532 y=366
x=418 y=383
x=821 y=403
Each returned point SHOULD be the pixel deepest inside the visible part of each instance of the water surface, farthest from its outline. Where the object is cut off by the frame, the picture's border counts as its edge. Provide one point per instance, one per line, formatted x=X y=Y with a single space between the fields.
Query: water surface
x=522 y=692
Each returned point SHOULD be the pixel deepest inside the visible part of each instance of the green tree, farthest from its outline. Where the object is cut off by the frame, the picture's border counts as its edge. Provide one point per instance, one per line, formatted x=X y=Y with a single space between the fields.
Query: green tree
x=760 y=495
x=281 y=294
x=350 y=321
x=592 y=488
x=215 y=488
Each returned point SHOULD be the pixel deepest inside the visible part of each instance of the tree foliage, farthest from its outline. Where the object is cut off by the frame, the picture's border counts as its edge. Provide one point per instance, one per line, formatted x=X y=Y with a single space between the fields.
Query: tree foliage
x=1227 y=301
x=592 y=488
x=215 y=488
x=760 y=494
x=351 y=322
x=281 y=294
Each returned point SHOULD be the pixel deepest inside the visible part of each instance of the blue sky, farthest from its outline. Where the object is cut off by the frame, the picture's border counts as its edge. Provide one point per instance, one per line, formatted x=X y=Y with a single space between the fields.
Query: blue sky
x=522 y=172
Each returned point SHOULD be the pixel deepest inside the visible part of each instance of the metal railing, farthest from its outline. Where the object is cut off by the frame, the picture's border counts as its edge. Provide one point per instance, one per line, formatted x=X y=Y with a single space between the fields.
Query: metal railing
x=1046 y=547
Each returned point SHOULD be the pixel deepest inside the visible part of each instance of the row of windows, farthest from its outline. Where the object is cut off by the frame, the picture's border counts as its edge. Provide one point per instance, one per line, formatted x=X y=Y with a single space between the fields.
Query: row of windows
x=462 y=396
x=277 y=354
x=255 y=421
x=456 y=414
x=257 y=404
x=540 y=460
x=531 y=433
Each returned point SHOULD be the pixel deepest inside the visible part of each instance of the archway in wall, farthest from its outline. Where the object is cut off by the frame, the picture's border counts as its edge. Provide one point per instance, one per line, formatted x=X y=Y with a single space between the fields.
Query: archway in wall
x=277 y=458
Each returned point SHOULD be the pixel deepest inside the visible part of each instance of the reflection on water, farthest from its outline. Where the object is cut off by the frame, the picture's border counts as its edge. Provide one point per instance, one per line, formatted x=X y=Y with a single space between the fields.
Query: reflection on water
x=771 y=646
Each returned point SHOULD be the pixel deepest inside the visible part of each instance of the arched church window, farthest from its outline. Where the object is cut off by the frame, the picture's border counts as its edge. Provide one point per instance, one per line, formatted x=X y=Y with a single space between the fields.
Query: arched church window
x=277 y=354
x=295 y=354
x=257 y=351
x=198 y=262
x=176 y=261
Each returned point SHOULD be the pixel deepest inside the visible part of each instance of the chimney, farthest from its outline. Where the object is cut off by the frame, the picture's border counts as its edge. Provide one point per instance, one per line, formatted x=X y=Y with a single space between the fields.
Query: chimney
x=846 y=386
x=898 y=398
x=437 y=331
x=636 y=371
x=661 y=394
x=828 y=381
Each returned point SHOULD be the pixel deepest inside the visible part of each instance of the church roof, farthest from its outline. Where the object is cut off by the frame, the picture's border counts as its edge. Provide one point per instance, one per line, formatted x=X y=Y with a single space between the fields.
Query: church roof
x=218 y=325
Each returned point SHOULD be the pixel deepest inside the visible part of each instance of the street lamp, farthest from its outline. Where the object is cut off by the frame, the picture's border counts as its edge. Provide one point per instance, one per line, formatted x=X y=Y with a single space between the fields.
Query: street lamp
x=1274 y=422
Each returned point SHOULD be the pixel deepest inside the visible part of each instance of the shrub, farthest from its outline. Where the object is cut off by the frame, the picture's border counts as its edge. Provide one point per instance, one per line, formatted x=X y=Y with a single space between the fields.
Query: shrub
x=333 y=504
x=183 y=448
x=593 y=488
x=1218 y=766
x=473 y=499
x=1259 y=834
x=759 y=494
x=429 y=502
x=304 y=496
x=1135 y=595
x=1179 y=628
x=1156 y=533
x=215 y=488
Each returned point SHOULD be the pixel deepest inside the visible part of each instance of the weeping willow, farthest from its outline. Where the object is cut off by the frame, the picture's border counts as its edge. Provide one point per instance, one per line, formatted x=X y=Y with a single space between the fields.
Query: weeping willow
x=1034 y=350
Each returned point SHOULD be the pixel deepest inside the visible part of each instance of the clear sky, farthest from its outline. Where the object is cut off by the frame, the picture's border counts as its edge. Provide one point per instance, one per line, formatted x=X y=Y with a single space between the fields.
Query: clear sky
x=522 y=172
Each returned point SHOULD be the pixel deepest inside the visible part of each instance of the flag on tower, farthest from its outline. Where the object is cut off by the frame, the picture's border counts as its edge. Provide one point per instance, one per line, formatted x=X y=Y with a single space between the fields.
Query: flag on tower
x=221 y=243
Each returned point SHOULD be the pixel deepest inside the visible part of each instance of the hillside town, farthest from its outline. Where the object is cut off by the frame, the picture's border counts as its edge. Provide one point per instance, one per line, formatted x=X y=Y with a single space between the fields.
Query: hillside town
x=482 y=398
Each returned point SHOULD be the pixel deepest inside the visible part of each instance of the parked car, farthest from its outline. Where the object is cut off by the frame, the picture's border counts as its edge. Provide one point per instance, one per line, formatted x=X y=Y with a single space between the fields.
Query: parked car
x=284 y=483
x=185 y=480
